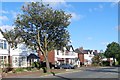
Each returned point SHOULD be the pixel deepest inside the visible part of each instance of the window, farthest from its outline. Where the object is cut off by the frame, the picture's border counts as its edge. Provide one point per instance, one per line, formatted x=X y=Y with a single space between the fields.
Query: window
x=16 y=60
x=22 y=60
x=3 y=44
x=57 y=52
x=3 y=60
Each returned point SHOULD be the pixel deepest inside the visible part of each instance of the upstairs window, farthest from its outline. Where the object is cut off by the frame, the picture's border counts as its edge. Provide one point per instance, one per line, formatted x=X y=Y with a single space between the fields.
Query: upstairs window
x=3 y=44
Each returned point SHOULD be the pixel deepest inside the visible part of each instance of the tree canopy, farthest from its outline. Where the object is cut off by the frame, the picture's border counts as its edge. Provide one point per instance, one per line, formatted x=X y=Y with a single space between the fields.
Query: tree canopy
x=113 y=51
x=43 y=28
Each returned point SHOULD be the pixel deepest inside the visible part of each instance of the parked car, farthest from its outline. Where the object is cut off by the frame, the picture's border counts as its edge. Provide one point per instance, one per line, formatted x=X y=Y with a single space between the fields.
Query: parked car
x=67 y=66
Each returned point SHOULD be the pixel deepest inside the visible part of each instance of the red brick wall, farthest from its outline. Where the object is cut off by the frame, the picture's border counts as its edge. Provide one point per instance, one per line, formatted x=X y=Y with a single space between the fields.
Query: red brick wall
x=51 y=56
x=81 y=57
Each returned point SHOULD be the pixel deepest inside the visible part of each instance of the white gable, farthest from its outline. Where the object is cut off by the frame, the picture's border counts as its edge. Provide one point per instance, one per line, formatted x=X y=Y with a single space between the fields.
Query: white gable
x=2 y=37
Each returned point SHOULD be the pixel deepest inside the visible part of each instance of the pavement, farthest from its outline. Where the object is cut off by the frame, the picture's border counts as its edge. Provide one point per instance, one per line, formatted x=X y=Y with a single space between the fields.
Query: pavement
x=103 y=72
x=41 y=74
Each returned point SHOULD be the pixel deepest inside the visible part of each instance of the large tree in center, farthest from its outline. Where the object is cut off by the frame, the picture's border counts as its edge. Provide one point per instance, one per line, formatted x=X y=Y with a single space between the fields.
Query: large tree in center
x=43 y=28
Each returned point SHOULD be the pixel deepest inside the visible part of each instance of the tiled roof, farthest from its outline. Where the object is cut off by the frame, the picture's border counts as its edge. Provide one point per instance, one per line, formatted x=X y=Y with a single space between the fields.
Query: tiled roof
x=78 y=50
x=69 y=47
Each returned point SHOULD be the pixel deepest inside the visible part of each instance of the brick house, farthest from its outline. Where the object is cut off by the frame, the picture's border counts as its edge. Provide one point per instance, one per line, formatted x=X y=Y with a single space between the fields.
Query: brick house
x=85 y=56
x=62 y=56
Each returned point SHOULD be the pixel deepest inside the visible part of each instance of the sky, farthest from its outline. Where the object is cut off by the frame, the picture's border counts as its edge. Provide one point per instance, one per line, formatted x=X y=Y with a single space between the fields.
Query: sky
x=93 y=24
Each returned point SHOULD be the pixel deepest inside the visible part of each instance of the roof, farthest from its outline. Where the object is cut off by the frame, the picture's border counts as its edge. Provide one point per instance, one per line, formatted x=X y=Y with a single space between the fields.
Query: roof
x=69 y=47
x=32 y=56
x=81 y=51
x=78 y=51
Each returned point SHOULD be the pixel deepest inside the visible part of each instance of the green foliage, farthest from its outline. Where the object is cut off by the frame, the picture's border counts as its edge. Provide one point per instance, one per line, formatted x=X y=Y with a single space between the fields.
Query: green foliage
x=36 y=65
x=96 y=59
x=95 y=64
x=39 y=22
x=43 y=28
x=106 y=63
x=29 y=68
x=113 y=51
x=19 y=69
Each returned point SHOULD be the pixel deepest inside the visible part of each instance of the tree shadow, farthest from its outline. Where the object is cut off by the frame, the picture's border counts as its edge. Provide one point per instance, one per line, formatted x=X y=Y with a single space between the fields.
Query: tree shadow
x=63 y=78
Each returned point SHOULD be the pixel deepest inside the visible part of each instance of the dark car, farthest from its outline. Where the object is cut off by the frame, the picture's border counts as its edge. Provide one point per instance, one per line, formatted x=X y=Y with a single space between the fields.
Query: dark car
x=67 y=66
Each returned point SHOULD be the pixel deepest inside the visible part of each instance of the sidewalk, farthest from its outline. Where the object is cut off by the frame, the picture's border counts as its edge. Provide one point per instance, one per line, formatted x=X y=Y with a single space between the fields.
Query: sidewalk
x=38 y=73
x=0 y=76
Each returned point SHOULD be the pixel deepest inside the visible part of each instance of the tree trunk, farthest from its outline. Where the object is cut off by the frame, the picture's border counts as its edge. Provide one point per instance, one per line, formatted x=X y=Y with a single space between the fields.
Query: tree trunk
x=9 y=58
x=47 y=65
x=113 y=61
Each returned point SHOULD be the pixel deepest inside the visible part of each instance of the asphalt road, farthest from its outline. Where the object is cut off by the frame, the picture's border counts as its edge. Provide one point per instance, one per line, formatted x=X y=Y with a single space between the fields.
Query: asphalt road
x=105 y=72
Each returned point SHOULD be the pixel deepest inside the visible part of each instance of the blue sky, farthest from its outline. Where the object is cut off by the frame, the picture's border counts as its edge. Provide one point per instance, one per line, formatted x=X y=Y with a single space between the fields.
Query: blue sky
x=93 y=24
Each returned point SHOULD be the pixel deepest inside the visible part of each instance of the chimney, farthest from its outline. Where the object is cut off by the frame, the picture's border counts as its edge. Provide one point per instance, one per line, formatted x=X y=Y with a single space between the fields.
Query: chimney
x=81 y=48
x=95 y=51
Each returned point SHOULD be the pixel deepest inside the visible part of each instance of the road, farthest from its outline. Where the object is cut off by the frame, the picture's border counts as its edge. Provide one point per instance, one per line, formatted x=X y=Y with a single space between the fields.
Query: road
x=102 y=72
x=108 y=72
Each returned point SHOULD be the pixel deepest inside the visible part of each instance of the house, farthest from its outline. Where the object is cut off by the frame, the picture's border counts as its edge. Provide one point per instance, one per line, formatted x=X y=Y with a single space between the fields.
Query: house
x=32 y=58
x=67 y=55
x=85 y=56
x=18 y=56
x=3 y=50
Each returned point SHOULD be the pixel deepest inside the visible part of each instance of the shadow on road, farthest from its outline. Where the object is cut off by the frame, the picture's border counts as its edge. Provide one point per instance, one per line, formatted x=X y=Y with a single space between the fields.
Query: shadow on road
x=61 y=77
x=64 y=78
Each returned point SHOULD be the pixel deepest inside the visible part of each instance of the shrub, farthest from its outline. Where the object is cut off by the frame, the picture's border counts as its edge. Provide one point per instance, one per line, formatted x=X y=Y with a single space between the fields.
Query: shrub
x=29 y=68
x=19 y=69
x=95 y=64
x=36 y=65
x=106 y=63
x=14 y=71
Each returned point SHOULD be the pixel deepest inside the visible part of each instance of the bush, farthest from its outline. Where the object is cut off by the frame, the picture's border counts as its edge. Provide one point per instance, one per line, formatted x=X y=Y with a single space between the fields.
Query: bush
x=106 y=63
x=19 y=69
x=44 y=69
x=95 y=64
x=36 y=65
x=29 y=68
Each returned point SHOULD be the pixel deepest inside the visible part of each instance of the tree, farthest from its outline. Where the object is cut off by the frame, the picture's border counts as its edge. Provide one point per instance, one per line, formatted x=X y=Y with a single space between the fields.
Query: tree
x=97 y=60
x=43 y=28
x=11 y=37
x=113 y=51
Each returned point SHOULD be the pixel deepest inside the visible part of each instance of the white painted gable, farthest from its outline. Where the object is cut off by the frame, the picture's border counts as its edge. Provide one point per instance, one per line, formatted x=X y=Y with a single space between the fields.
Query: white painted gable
x=1 y=36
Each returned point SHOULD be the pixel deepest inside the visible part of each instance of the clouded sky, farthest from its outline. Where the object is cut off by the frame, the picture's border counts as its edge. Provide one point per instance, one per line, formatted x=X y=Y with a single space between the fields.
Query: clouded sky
x=93 y=24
